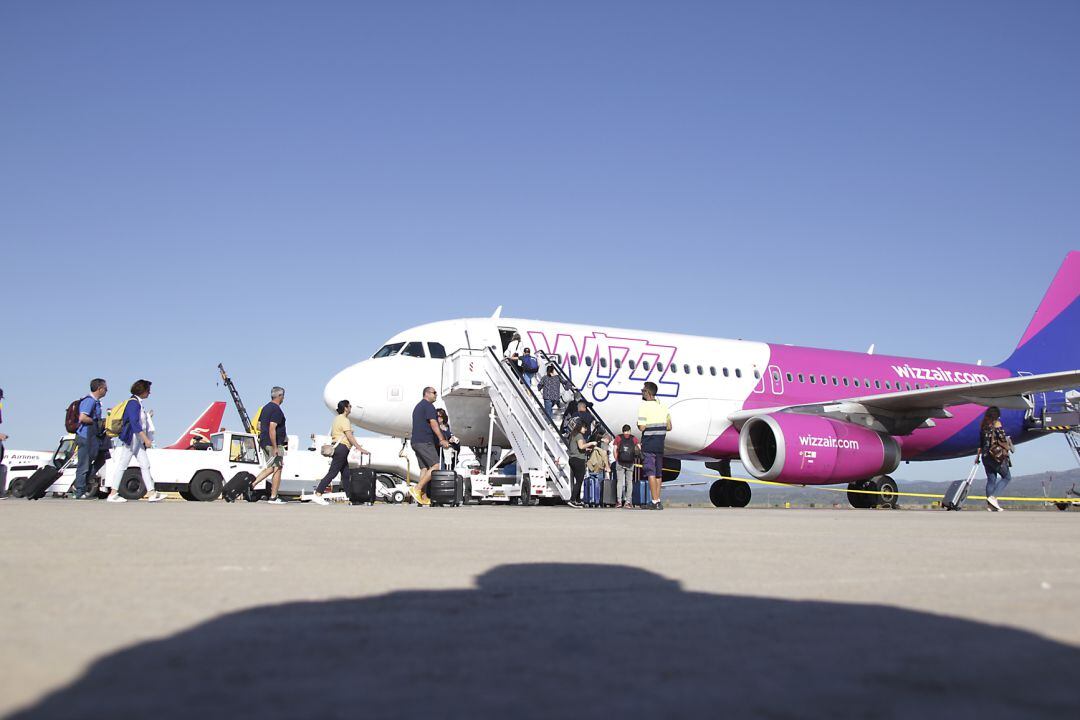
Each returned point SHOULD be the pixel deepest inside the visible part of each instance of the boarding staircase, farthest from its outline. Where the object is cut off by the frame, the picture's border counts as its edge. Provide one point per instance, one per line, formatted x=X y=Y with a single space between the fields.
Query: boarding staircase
x=482 y=375
x=1061 y=417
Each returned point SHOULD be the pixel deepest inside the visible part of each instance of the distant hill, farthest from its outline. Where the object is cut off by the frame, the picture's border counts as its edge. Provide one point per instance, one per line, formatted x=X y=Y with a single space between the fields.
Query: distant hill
x=1055 y=484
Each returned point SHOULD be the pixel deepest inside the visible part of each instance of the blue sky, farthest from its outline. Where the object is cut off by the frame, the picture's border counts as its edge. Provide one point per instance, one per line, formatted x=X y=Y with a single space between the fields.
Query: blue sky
x=280 y=186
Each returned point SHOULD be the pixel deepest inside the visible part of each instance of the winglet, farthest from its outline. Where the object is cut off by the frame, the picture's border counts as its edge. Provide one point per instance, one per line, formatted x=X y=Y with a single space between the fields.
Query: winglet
x=497 y=314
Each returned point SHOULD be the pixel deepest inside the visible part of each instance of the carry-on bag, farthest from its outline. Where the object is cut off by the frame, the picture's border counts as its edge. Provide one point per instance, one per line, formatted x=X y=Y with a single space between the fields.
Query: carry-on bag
x=445 y=488
x=360 y=487
x=958 y=491
x=591 y=490
x=642 y=494
x=610 y=495
x=38 y=484
x=237 y=486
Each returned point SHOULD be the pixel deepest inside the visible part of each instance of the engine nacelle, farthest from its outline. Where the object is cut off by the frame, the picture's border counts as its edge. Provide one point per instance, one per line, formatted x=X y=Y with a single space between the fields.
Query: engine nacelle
x=814 y=450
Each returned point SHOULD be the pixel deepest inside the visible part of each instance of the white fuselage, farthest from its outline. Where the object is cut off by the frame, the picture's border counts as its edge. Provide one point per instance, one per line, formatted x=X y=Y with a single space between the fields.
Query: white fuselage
x=701 y=380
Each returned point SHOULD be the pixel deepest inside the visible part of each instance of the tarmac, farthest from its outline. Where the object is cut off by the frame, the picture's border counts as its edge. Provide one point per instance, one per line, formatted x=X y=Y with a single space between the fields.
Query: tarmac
x=179 y=610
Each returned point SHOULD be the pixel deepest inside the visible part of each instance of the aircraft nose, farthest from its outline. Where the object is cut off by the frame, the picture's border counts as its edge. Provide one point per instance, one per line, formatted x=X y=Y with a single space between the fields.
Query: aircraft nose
x=345 y=386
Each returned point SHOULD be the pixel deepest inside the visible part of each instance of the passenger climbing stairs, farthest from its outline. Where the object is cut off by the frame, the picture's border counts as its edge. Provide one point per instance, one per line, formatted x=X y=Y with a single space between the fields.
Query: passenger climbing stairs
x=483 y=376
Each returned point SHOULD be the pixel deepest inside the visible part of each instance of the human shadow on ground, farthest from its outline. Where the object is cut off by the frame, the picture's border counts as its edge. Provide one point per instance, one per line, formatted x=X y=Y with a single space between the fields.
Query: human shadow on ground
x=575 y=640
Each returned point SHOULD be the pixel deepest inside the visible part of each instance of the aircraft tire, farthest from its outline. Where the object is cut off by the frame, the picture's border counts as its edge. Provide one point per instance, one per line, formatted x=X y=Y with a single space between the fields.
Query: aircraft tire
x=738 y=493
x=858 y=500
x=131 y=484
x=206 y=485
x=719 y=494
x=888 y=498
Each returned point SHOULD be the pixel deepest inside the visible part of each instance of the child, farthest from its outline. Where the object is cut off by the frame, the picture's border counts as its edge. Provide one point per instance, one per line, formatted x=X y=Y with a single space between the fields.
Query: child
x=597 y=467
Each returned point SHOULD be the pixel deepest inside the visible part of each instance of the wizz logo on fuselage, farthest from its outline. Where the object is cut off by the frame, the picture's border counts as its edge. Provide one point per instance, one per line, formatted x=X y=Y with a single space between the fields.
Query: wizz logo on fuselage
x=608 y=364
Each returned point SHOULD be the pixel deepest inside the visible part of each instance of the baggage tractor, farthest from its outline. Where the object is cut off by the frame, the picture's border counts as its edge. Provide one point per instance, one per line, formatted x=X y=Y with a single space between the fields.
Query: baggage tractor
x=610 y=495
x=958 y=491
x=237 y=486
x=38 y=483
x=445 y=488
x=360 y=488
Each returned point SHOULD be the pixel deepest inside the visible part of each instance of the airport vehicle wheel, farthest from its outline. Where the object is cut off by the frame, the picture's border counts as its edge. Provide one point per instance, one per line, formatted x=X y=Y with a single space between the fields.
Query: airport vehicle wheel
x=888 y=489
x=1059 y=506
x=206 y=485
x=17 y=488
x=527 y=500
x=131 y=484
x=397 y=497
x=719 y=495
x=254 y=495
x=738 y=493
x=186 y=495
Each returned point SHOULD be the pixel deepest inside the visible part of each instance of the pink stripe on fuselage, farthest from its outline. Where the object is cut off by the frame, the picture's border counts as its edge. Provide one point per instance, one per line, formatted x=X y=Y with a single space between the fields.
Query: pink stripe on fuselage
x=876 y=369
x=1063 y=291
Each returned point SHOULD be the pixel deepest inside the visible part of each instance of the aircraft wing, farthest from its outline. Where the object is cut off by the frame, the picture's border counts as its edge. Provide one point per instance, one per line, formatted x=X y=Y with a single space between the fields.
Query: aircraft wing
x=903 y=412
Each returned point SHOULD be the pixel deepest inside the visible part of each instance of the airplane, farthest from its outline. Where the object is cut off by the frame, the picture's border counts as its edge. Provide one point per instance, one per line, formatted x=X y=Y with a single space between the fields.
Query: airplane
x=795 y=415
x=204 y=426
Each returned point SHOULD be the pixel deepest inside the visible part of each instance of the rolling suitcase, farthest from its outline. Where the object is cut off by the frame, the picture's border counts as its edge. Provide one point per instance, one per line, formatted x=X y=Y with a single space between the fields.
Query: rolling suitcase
x=591 y=491
x=610 y=495
x=38 y=484
x=360 y=488
x=642 y=495
x=237 y=486
x=445 y=488
x=958 y=491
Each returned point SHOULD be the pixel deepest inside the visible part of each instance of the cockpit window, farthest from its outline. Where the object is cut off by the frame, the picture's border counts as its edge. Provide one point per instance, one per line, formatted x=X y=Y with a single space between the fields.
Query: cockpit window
x=436 y=350
x=414 y=349
x=388 y=350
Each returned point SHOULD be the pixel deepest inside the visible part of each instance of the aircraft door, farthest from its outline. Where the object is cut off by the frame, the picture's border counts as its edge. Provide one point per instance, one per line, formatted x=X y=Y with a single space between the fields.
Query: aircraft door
x=480 y=334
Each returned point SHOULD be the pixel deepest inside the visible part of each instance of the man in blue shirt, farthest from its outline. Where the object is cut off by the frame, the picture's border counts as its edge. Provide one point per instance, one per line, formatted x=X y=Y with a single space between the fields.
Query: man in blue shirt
x=86 y=436
x=273 y=438
x=425 y=435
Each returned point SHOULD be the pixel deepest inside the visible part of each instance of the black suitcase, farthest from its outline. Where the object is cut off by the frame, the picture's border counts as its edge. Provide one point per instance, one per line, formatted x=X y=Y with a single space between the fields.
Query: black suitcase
x=236 y=487
x=38 y=483
x=610 y=495
x=958 y=491
x=445 y=488
x=360 y=488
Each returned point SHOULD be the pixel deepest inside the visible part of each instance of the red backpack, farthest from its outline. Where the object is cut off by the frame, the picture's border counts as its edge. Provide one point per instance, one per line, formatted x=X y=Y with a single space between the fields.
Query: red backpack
x=71 y=417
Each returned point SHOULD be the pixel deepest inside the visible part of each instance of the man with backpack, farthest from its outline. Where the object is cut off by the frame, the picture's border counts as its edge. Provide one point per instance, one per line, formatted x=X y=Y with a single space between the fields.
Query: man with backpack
x=87 y=422
x=627 y=455
x=529 y=368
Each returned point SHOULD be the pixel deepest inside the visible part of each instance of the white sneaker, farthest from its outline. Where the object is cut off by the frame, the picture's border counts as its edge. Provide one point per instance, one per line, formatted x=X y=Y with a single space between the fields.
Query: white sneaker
x=115 y=498
x=319 y=500
x=993 y=502
x=156 y=497
x=277 y=501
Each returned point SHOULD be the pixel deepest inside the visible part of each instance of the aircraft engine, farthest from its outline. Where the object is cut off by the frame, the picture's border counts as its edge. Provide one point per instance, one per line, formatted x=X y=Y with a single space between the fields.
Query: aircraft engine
x=814 y=450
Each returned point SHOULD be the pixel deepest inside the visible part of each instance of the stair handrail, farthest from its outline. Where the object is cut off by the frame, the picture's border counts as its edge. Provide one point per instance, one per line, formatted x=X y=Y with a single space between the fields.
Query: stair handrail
x=555 y=361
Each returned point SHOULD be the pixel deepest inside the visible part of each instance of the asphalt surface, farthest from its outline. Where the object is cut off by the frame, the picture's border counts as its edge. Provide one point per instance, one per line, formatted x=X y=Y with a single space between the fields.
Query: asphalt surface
x=249 y=610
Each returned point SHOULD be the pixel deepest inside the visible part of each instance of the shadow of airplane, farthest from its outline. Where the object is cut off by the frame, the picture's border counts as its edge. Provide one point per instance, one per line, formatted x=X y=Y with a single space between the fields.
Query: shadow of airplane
x=575 y=640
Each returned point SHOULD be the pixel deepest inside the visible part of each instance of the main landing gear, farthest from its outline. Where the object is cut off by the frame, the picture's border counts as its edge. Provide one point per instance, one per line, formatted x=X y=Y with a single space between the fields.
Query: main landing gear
x=728 y=493
x=887 y=493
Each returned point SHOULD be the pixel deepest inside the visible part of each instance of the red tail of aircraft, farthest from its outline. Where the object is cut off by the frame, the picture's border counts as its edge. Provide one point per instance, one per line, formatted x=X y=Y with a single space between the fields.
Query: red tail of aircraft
x=206 y=424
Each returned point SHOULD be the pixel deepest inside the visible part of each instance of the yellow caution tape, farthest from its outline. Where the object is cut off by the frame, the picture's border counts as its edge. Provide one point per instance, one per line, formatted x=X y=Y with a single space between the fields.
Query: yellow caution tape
x=878 y=492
